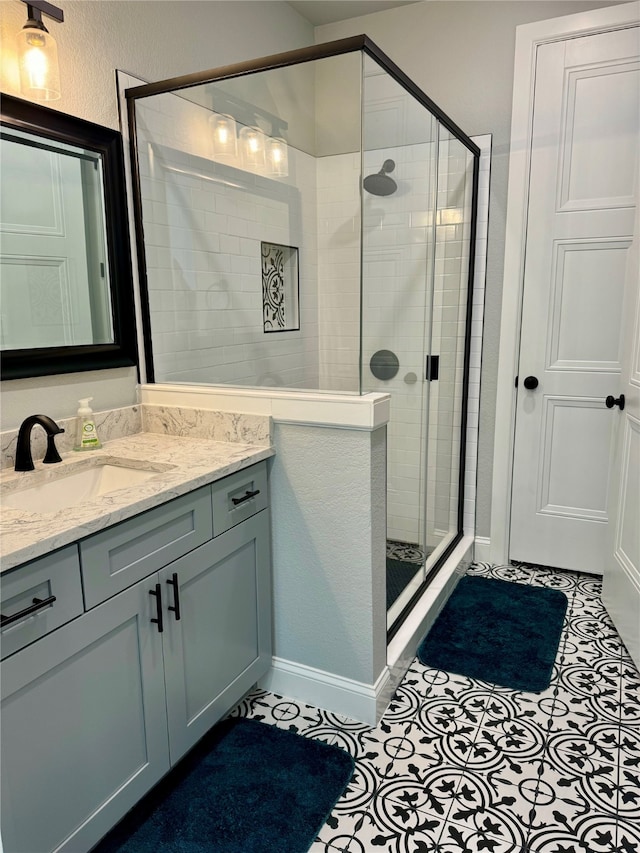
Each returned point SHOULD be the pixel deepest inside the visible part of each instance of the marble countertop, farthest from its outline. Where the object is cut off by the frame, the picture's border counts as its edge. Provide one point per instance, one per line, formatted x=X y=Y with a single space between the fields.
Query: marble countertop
x=182 y=464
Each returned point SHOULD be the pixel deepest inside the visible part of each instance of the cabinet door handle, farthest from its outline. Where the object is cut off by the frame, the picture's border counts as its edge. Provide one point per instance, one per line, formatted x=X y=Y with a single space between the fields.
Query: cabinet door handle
x=38 y=604
x=246 y=497
x=157 y=592
x=176 y=596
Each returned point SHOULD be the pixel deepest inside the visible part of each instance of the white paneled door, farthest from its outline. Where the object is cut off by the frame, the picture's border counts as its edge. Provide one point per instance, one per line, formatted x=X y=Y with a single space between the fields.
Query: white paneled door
x=584 y=160
x=44 y=270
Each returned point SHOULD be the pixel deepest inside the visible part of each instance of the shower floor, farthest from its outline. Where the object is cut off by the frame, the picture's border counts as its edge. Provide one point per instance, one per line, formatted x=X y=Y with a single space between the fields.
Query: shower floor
x=409 y=552
x=404 y=561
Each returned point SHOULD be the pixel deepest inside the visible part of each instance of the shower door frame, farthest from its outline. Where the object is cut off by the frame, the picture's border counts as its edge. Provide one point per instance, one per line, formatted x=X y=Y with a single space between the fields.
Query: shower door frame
x=359 y=43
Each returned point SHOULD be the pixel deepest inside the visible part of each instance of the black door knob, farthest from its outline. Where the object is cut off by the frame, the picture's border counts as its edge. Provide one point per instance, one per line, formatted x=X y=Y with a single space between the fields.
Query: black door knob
x=612 y=401
x=530 y=383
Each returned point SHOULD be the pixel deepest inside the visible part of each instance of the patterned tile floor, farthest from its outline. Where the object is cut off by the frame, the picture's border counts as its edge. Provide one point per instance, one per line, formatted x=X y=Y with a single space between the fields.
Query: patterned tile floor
x=462 y=766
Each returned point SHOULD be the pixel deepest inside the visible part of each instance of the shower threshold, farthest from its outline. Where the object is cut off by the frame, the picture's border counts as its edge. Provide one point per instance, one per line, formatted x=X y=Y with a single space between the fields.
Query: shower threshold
x=406 y=562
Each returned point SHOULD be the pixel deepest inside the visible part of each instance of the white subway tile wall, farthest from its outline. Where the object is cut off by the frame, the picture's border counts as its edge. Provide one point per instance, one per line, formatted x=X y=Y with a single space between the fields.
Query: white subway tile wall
x=203 y=225
x=338 y=202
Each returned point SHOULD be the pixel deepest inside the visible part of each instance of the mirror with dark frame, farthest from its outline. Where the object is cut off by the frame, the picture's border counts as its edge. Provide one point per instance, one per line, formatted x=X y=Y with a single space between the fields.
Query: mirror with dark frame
x=66 y=290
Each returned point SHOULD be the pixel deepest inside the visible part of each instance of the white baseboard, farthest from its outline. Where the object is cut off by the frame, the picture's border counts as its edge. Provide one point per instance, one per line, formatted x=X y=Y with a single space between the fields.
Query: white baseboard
x=355 y=699
x=482 y=549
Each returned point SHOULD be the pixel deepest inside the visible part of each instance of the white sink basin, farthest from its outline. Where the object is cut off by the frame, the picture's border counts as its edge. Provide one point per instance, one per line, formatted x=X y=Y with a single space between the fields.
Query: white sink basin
x=73 y=487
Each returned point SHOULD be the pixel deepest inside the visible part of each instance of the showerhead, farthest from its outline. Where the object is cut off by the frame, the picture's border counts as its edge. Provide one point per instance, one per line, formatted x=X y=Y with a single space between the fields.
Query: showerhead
x=381 y=183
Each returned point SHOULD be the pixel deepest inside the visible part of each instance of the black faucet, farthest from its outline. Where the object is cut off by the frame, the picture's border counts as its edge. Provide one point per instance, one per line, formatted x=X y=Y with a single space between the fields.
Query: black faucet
x=24 y=459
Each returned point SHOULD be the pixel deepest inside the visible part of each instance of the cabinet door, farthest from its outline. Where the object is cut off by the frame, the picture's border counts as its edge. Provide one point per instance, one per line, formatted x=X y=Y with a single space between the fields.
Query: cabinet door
x=84 y=732
x=221 y=645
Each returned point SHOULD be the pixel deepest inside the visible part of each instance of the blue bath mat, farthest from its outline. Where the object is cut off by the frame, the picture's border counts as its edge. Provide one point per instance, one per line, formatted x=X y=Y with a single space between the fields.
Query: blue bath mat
x=255 y=789
x=497 y=631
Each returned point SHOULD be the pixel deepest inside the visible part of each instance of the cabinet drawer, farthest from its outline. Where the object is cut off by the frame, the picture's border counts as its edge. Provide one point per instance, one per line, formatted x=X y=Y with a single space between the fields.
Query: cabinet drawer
x=239 y=496
x=115 y=558
x=57 y=577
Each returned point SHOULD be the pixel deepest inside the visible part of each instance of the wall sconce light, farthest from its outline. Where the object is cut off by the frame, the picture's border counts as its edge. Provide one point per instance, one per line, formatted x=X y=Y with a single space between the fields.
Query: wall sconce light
x=224 y=136
x=252 y=146
x=38 y=53
x=277 y=157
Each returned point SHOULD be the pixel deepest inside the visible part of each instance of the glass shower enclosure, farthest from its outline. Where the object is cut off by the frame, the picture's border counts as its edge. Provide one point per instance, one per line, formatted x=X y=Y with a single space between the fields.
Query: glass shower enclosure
x=306 y=221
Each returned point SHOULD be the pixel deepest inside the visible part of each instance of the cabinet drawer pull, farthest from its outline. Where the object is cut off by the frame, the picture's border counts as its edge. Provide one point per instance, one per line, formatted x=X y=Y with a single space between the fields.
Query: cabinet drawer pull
x=38 y=604
x=157 y=592
x=176 y=596
x=246 y=497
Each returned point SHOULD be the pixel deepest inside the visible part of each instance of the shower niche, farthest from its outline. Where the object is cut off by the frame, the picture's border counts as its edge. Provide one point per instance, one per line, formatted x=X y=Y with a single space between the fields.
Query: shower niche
x=280 y=288
x=298 y=215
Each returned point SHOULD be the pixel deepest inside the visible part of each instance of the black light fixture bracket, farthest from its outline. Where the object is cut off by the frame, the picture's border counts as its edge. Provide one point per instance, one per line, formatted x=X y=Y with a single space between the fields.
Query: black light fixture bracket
x=37 y=8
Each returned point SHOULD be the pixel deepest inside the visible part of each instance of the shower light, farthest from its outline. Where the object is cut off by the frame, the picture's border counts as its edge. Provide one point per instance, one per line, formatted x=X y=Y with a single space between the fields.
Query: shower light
x=252 y=147
x=38 y=53
x=278 y=157
x=224 y=136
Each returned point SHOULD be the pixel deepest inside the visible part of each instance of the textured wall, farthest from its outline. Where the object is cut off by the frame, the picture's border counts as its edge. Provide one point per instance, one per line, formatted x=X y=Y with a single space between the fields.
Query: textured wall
x=327 y=488
x=461 y=54
x=152 y=41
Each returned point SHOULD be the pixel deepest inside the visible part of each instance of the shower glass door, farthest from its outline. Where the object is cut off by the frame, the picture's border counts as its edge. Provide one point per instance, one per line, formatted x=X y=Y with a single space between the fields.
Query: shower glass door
x=417 y=193
x=448 y=336
x=399 y=190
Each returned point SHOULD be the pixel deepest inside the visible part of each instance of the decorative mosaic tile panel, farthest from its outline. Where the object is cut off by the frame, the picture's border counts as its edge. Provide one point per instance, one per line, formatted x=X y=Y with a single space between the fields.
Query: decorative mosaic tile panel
x=280 y=287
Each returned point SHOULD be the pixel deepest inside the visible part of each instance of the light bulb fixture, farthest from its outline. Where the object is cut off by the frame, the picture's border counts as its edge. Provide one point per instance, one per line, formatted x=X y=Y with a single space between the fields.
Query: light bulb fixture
x=38 y=53
x=252 y=147
x=223 y=136
x=240 y=137
x=277 y=157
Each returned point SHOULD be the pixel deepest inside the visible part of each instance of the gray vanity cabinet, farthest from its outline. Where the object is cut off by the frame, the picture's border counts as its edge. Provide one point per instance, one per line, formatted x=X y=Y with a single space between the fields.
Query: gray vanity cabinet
x=84 y=732
x=98 y=710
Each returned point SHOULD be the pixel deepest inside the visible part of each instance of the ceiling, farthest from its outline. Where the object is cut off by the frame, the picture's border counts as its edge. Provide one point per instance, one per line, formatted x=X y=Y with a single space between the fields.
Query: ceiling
x=320 y=12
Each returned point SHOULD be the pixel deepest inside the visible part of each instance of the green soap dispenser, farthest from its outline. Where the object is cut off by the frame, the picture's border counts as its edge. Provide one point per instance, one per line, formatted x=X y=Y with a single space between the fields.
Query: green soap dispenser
x=87 y=435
